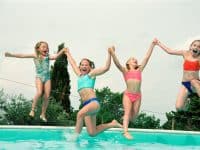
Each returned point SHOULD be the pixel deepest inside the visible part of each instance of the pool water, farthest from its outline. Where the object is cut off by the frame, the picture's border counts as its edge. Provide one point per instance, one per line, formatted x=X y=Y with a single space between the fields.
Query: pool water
x=55 y=138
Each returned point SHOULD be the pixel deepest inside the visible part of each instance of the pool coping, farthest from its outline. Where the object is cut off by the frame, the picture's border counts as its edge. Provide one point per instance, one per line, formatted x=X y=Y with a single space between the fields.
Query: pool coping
x=115 y=129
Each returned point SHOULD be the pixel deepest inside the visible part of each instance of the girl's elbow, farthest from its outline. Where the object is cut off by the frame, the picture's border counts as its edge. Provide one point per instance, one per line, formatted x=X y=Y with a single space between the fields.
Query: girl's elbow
x=169 y=52
x=106 y=69
x=54 y=57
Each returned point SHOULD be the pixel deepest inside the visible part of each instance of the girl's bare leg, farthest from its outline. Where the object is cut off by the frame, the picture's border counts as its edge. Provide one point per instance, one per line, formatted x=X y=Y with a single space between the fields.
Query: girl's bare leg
x=182 y=96
x=47 y=90
x=93 y=130
x=39 y=91
x=196 y=85
x=135 y=109
x=89 y=108
x=90 y=120
x=127 y=104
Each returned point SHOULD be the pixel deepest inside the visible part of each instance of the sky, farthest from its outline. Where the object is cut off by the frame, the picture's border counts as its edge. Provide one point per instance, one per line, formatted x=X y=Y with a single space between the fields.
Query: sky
x=88 y=28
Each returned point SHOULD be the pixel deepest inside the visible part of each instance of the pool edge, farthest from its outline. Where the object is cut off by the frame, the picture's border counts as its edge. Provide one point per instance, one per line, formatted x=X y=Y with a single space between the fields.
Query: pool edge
x=117 y=129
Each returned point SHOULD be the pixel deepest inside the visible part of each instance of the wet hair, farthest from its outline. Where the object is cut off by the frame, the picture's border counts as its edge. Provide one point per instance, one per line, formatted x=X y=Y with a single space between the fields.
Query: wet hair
x=91 y=63
x=37 y=45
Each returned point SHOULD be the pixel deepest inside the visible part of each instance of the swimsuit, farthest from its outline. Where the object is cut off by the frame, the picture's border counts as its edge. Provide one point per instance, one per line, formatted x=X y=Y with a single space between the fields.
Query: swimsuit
x=133 y=96
x=94 y=112
x=190 y=66
x=85 y=81
x=90 y=100
x=135 y=74
x=42 y=68
x=188 y=86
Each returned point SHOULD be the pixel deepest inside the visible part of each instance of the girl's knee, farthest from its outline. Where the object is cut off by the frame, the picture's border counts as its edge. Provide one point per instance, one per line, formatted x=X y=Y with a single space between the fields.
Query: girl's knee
x=47 y=96
x=179 y=106
x=181 y=99
x=80 y=115
x=39 y=93
x=91 y=133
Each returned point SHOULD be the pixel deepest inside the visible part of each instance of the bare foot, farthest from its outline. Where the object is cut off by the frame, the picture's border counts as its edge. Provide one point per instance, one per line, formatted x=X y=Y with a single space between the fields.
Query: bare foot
x=127 y=135
x=32 y=113
x=116 y=124
x=43 y=118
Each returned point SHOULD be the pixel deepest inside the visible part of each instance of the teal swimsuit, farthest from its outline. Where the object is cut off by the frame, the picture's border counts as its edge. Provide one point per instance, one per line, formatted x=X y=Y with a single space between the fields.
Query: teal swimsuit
x=42 y=69
x=85 y=81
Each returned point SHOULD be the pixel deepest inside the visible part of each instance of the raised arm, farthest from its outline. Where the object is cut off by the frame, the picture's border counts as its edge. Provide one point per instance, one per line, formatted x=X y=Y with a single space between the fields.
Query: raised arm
x=115 y=59
x=7 y=54
x=169 y=50
x=102 y=70
x=55 y=56
x=72 y=62
x=147 y=56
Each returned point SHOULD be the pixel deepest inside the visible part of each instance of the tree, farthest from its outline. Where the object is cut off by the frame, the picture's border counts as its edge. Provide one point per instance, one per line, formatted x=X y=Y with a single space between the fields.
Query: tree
x=111 y=105
x=15 y=110
x=61 y=81
x=3 y=98
x=186 y=119
x=146 y=122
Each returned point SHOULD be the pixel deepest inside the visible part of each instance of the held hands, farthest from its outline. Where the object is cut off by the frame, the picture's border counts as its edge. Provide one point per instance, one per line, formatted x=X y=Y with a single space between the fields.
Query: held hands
x=66 y=50
x=111 y=49
x=156 y=41
x=7 y=54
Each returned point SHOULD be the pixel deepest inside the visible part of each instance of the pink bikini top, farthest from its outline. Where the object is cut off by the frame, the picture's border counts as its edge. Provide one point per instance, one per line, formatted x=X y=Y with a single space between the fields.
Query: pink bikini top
x=134 y=74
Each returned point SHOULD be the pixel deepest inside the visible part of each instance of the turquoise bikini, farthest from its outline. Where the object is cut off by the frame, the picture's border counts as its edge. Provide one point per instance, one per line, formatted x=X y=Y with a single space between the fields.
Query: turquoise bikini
x=42 y=68
x=85 y=81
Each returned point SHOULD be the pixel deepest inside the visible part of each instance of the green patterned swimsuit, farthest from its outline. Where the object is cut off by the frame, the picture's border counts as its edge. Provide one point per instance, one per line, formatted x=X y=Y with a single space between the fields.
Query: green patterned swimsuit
x=42 y=68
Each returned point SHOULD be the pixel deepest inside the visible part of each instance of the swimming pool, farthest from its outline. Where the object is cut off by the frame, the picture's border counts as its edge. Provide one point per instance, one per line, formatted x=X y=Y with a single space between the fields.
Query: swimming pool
x=59 y=138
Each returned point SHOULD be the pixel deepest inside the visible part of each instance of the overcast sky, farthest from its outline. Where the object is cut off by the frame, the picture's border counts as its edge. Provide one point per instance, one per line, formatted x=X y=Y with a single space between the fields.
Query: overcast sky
x=89 y=27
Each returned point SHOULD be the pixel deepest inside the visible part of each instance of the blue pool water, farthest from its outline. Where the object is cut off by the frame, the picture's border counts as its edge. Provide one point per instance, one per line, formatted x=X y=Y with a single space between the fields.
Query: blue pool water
x=55 y=138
